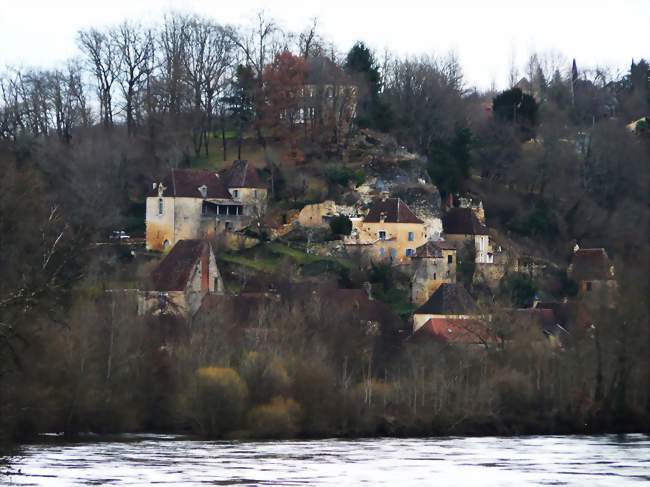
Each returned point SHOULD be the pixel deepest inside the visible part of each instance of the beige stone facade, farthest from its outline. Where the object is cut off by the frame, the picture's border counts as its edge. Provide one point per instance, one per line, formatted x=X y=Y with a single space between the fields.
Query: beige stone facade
x=197 y=204
x=390 y=232
x=430 y=268
x=317 y=215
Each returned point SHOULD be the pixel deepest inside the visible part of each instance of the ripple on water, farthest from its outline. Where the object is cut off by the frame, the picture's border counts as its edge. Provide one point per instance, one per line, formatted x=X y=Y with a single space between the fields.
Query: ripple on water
x=134 y=460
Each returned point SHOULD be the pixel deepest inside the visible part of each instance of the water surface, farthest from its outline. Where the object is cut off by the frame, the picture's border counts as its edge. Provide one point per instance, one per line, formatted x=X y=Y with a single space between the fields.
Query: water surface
x=143 y=460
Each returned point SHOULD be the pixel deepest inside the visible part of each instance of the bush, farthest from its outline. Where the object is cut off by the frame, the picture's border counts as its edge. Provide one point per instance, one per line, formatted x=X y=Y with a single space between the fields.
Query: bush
x=342 y=176
x=218 y=401
x=341 y=225
x=266 y=377
x=514 y=392
x=518 y=289
x=277 y=419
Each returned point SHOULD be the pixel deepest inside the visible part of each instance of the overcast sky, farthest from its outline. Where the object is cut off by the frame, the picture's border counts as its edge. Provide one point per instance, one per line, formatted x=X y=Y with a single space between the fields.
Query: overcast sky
x=483 y=33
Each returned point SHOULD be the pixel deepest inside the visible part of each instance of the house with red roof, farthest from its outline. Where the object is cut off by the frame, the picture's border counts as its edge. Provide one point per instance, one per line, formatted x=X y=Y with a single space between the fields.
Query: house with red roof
x=390 y=232
x=195 y=204
x=182 y=279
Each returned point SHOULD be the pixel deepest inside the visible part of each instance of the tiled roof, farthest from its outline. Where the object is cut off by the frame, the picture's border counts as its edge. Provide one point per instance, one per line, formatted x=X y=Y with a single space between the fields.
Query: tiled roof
x=449 y=299
x=174 y=271
x=462 y=221
x=322 y=70
x=185 y=183
x=447 y=330
x=242 y=174
x=590 y=265
x=394 y=210
x=433 y=250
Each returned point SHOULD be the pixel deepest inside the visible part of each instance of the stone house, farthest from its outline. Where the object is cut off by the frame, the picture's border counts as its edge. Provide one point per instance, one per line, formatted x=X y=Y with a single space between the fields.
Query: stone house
x=593 y=272
x=317 y=215
x=460 y=225
x=183 y=278
x=433 y=264
x=192 y=204
x=245 y=186
x=450 y=301
x=329 y=97
x=390 y=232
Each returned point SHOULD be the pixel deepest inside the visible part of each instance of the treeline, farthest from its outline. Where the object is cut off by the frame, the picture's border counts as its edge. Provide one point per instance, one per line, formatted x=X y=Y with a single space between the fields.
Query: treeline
x=309 y=367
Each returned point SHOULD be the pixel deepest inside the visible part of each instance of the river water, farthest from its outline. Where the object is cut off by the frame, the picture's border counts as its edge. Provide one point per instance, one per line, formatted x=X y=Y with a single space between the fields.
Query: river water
x=143 y=460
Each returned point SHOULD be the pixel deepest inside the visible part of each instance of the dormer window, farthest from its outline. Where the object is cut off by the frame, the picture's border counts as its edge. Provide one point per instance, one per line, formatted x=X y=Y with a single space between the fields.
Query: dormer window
x=382 y=235
x=203 y=190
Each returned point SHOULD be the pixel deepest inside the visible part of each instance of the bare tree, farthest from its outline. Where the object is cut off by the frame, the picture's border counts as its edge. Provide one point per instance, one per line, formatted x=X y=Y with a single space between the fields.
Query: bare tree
x=135 y=48
x=105 y=64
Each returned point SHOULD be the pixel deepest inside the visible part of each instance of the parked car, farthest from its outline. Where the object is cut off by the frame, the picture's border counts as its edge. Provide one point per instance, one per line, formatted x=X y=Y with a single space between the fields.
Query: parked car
x=119 y=235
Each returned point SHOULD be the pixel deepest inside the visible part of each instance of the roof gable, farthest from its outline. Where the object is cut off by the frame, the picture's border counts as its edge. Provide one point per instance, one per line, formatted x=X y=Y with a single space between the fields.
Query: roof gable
x=242 y=174
x=394 y=210
x=175 y=270
x=462 y=221
x=449 y=299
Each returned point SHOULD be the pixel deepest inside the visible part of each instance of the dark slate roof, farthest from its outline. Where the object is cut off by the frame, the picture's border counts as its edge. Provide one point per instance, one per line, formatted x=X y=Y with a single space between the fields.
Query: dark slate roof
x=394 y=209
x=449 y=299
x=186 y=183
x=590 y=265
x=175 y=269
x=242 y=174
x=322 y=70
x=433 y=250
x=462 y=221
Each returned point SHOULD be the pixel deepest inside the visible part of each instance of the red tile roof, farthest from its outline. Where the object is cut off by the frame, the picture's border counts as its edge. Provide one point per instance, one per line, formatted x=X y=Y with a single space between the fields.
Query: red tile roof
x=174 y=271
x=591 y=265
x=454 y=331
x=394 y=210
x=185 y=183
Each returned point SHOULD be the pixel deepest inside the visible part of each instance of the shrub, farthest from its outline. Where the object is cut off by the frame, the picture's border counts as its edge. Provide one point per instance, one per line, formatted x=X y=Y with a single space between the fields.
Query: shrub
x=218 y=401
x=278 y=418
x=341 y=225
x=518 y=289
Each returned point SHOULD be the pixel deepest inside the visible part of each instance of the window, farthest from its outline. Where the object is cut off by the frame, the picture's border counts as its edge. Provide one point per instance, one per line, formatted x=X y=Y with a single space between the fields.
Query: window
x=235 y=193
x=161 y=206
x=255 y=193
x=228 y=225
x=204 y=209
x=447 y=273
x=393 y=253
x=435 y=276
x=382 y=251
x=411 y=236
x=409 y=252
x=588 y=283
x=450 y=259
x=382 y=235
